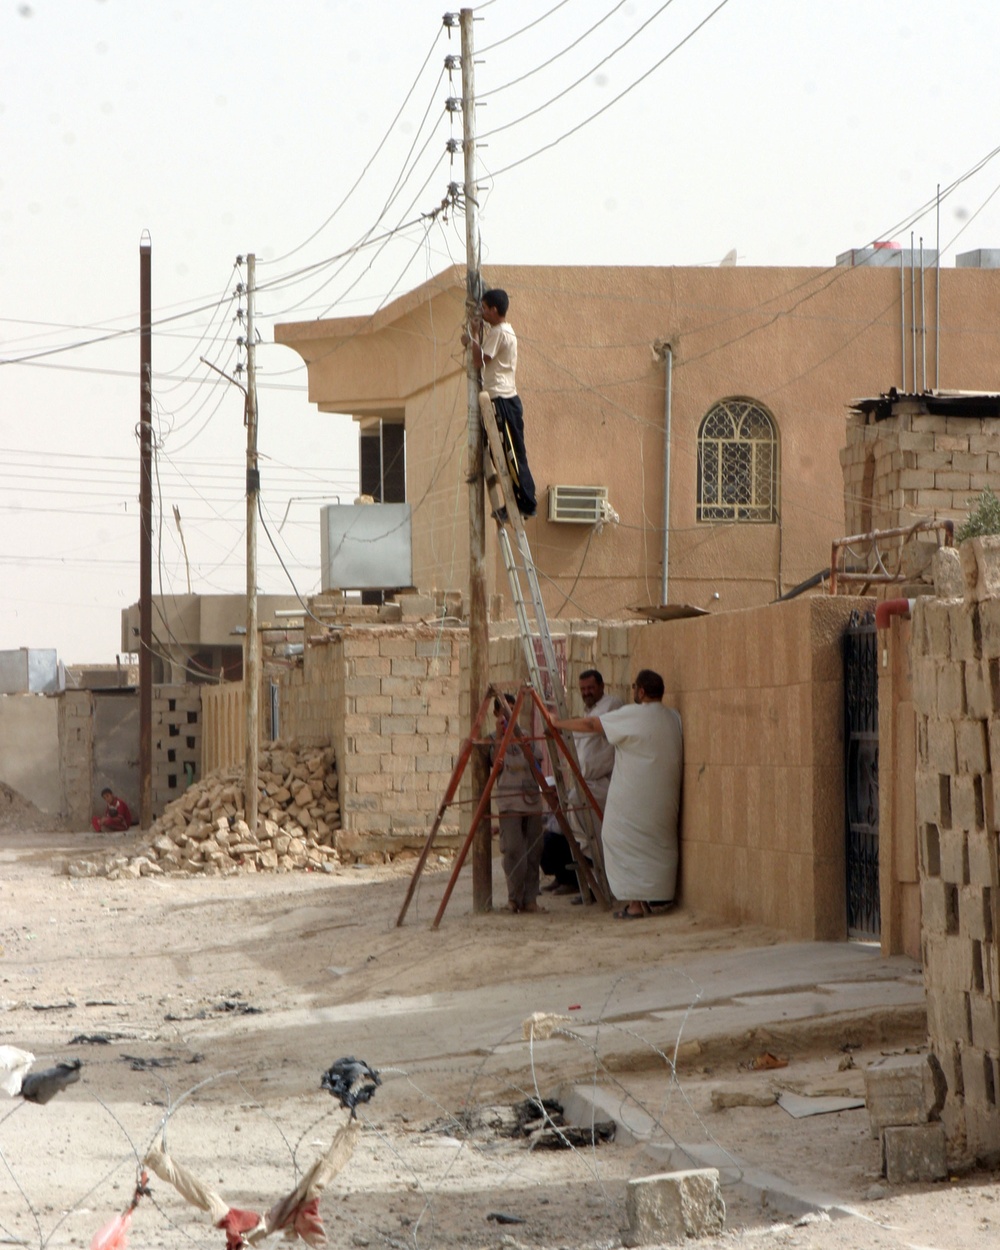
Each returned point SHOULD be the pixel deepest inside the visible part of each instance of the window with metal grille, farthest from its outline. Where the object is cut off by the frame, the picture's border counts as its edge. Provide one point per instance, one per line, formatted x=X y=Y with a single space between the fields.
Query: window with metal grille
x=737 y=464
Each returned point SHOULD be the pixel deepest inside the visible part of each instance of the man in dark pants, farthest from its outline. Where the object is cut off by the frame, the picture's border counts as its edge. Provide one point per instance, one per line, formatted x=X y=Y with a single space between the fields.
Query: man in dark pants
x=557 y=858
x=495 y=352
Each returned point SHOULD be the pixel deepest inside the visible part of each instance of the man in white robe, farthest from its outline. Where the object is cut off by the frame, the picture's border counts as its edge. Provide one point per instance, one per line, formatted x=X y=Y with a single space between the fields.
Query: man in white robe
x=641 y=814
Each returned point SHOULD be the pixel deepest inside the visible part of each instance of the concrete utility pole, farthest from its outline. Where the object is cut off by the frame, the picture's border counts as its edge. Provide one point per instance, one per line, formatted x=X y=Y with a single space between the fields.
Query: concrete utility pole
x=145 y=533
x=479 y=628
x=251 y=661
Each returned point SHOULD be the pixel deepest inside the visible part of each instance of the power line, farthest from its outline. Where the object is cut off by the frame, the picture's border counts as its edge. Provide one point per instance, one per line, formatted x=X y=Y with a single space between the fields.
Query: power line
x=611 y=103
x=277 y=260
x=530 y=26
x=590 y=72
x=488 y=95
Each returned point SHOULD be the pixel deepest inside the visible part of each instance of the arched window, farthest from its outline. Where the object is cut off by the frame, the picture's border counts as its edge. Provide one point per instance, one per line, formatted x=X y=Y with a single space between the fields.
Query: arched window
x=737 y=464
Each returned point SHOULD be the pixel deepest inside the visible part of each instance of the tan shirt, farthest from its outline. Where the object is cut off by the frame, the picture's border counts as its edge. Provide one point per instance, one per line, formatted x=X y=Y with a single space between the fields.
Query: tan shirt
x=499 y=372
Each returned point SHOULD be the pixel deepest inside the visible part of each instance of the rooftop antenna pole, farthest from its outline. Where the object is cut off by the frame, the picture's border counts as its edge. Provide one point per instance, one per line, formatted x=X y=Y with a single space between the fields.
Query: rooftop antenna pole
x=479 y=627
x=902 y=320
x=923 y=323
x=913 y=311
x=937 y=298
x=145 y=533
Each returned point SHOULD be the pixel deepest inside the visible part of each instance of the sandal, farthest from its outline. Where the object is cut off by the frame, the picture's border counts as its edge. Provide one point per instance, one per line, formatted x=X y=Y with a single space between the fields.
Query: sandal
x=625 y=914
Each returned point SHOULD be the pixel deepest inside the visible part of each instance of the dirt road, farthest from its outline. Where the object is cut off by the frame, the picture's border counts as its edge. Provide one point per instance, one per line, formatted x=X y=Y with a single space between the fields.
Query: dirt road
x=215 y=1004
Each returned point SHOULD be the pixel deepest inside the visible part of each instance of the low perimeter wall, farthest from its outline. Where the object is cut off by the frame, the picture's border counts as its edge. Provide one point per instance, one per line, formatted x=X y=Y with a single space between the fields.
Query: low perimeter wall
x=761 y=698
x=760 y=694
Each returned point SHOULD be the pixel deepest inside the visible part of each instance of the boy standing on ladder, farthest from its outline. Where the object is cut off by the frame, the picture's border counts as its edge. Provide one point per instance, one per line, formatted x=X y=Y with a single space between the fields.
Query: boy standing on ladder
x=495 y=353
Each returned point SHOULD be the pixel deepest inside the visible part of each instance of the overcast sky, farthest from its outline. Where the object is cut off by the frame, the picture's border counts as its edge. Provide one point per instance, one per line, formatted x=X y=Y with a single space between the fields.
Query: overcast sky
x=789 y=130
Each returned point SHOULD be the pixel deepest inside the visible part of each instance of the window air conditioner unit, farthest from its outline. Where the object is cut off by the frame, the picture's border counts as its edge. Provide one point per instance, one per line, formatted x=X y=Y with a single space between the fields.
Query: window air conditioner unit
x=579 y=505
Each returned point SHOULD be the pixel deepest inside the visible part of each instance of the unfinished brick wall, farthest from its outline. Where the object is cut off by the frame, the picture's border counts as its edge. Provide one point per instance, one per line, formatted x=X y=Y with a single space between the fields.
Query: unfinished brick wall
x=176 y=742
x=956 y=690
x=913 y=465
x=578 y=644
x=386 y=697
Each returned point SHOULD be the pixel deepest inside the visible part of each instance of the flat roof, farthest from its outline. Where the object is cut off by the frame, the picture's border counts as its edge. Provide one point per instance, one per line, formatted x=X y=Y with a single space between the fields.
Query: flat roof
x=972 y=404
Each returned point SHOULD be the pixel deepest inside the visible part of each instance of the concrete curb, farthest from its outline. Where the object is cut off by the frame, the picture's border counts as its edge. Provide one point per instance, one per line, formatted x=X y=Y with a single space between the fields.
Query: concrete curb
x=584 y=1105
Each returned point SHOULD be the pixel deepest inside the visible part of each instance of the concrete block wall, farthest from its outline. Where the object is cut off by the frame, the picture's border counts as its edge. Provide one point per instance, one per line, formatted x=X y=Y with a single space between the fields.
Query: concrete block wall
x=913 y=465
x=579 y=645
x=311 y=697
x=76 y=756
x=386 y=696
x=760 y=694
x=176 y=742
x=956 y=692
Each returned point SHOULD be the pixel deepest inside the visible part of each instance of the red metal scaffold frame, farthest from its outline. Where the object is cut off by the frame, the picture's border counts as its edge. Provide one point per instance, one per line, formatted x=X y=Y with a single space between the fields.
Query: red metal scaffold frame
x=512 y=734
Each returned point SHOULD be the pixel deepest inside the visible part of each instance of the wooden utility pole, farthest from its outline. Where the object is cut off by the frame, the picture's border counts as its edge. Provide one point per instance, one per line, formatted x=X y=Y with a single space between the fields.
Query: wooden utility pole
x=145 y=533
x=251 y=661
x=479 y=628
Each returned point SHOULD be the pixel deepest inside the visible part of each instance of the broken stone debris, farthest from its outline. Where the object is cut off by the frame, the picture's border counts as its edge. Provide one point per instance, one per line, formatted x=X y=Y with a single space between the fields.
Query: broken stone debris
x=673 y=1206
x=736 y=1095
x=17 y=812
x=901 y=1090
x=204 y=830
x=904 y=1095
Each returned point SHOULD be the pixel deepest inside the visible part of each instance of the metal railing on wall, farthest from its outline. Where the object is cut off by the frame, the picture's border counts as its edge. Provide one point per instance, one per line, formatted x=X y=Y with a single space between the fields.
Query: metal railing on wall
x=874 y=553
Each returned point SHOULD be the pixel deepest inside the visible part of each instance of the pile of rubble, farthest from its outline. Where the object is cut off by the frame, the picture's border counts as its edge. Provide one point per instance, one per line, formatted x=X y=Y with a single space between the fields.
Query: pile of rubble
x=204 y=831
x=20 y=815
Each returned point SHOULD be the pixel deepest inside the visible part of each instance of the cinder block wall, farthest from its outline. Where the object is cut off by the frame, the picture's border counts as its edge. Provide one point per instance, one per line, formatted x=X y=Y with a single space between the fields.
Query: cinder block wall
x=914 y=465
x=176 y=760
x=386 y=697
x=956 y=690
x=760 y=694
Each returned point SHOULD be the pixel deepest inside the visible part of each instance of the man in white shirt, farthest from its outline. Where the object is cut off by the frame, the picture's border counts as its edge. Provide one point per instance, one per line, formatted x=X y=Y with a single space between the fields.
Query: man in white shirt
x=596 y=756
x=641 y=815
x=496 y=354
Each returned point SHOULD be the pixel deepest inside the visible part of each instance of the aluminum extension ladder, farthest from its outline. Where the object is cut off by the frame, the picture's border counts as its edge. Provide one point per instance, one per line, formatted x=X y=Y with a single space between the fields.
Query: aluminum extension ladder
x=533 y=625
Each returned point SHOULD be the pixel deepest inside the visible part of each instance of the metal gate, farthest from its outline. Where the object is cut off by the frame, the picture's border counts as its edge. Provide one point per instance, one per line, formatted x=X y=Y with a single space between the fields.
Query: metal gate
x=861 y=775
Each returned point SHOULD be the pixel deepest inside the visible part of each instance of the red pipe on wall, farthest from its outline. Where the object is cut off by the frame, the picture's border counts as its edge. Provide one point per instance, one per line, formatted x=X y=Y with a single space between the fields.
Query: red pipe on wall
x=889 y=608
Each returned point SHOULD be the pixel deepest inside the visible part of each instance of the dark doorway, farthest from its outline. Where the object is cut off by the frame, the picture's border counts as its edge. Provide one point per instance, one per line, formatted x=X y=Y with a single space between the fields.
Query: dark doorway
x=861 y=776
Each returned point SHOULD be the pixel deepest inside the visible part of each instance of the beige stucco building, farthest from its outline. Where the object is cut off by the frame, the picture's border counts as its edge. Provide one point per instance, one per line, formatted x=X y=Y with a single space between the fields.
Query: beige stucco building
x=764 y=362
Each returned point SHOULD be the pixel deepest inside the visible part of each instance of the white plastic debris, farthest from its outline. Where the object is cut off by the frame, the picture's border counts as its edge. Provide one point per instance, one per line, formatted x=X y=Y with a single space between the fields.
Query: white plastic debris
x=14 y=1066
x=540 y=1025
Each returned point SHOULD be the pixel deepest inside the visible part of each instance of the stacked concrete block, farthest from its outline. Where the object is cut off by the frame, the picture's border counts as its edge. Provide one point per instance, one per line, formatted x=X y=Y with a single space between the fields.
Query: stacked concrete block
x=914 y=465
x=614 y=656
x=904 y=1095
x=387 y=697
x=956 y=686
x=176 y=742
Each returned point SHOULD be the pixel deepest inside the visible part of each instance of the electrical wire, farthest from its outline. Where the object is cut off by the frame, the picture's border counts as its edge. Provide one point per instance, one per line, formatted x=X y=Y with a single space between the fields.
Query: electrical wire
x=530 y=26
x=514 y=82
x=584 y=77
x=523 y=160
x=111 y=336
x=291 y=580
x=354 y=186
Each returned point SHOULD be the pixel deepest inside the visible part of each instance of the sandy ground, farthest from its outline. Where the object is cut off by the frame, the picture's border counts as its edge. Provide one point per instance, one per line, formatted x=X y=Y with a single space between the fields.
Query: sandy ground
x=213 y=1005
